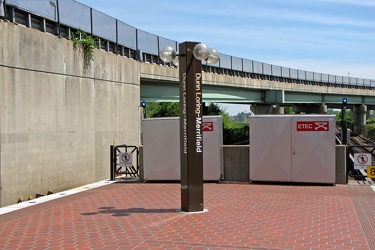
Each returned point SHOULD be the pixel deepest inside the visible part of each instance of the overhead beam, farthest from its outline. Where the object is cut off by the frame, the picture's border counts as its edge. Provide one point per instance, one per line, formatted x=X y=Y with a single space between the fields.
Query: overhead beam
x=168 y=91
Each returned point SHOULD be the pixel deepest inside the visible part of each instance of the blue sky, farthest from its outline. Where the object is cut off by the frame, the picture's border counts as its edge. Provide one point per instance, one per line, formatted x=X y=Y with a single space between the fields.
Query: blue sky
x=326 y=36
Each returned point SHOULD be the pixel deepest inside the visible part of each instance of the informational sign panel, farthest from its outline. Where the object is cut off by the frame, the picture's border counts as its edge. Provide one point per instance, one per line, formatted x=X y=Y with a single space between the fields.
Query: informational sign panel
x=371 y=172
x=126 y=159
x=362 y=160
x=191 y=135
x=313 y=126
x=208 y=126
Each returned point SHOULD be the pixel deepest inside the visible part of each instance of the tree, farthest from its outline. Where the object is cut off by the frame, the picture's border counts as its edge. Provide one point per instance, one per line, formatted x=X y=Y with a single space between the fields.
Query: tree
x=288 y=110
x=162 y=109
x=371 y=120
x=168 y=109
x=214 y=109
x=347 y=116
x=241 y=117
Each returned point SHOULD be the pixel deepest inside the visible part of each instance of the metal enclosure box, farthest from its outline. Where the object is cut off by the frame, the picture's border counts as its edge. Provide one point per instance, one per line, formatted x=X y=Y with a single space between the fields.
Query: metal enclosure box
x=161 y=149
x=293 y=148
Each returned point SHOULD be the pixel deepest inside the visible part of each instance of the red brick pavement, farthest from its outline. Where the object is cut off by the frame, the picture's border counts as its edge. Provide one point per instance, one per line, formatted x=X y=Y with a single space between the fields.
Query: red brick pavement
x=239 y=216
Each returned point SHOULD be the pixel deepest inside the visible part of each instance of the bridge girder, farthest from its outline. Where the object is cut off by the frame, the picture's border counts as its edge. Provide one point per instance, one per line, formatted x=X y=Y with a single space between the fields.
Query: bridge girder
x=168 y=91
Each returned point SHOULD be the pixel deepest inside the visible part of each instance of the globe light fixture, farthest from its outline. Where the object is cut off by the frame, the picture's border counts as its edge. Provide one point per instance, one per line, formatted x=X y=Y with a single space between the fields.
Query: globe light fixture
x=201 y=52
x=167 y=54
x=175 y=61
x=213 y=56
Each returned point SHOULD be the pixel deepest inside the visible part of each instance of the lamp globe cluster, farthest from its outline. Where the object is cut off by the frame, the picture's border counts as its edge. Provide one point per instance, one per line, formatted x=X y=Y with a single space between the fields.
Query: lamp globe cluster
x=200 y=52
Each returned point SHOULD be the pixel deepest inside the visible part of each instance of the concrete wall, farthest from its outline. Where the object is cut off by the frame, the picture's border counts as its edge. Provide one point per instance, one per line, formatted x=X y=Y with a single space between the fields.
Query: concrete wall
x=58 y=118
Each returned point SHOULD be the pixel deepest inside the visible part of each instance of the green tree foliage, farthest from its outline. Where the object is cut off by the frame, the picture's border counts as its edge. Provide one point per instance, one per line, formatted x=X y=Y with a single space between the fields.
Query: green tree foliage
x=347 y=116
x=241 y=117
x=235 y=132
x=332 y=112
x=168 y=109
x=288 y=110
x=162 y=109
x=214 y=109
x=371 y=120
x=370 y=128
x=370 y=131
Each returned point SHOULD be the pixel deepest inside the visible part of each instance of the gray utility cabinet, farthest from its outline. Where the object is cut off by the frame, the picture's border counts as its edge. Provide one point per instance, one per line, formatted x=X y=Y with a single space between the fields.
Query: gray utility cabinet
x=293 y=148
x=161 y=149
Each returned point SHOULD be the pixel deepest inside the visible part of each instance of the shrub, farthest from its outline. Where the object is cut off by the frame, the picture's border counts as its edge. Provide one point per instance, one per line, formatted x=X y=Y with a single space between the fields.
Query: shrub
x=370 y=131
x=88 y=44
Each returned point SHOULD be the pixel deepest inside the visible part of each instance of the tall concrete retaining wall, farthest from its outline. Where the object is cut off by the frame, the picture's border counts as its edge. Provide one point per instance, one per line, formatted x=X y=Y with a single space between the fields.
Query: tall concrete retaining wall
x=58 y=117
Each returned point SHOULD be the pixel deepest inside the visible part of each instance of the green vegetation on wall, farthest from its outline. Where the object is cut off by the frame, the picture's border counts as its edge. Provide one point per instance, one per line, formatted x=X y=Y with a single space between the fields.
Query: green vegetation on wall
x=87 y=43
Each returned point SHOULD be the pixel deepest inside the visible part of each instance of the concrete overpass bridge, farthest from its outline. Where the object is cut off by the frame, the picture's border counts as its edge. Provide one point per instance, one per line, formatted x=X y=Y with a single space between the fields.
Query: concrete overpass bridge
x=160 y=84
x=266 y=95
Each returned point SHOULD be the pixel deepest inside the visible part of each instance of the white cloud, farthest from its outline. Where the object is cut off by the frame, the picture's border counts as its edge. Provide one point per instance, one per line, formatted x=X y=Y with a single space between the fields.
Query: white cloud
x=368 y=3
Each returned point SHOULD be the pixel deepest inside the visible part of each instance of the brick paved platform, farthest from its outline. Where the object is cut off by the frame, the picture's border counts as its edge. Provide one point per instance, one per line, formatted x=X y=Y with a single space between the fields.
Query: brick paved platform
x=239 y=216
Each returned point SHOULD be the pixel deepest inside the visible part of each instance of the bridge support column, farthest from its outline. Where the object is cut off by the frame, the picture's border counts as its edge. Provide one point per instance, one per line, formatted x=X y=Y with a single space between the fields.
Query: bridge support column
x=370 y=111
x=2 y=9
x=310 y=109
x=323 y=109
x=359 y=114
x=278 y=110
x=267 y=109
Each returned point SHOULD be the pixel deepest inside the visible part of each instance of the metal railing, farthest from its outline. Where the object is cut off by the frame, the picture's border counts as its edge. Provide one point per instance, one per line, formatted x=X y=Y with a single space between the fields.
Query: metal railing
x=61 y=17
x=124 y=160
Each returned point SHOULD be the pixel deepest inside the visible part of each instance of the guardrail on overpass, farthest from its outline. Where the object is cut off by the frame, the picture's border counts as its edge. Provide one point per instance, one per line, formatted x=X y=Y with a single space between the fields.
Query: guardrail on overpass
x=64 y=17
